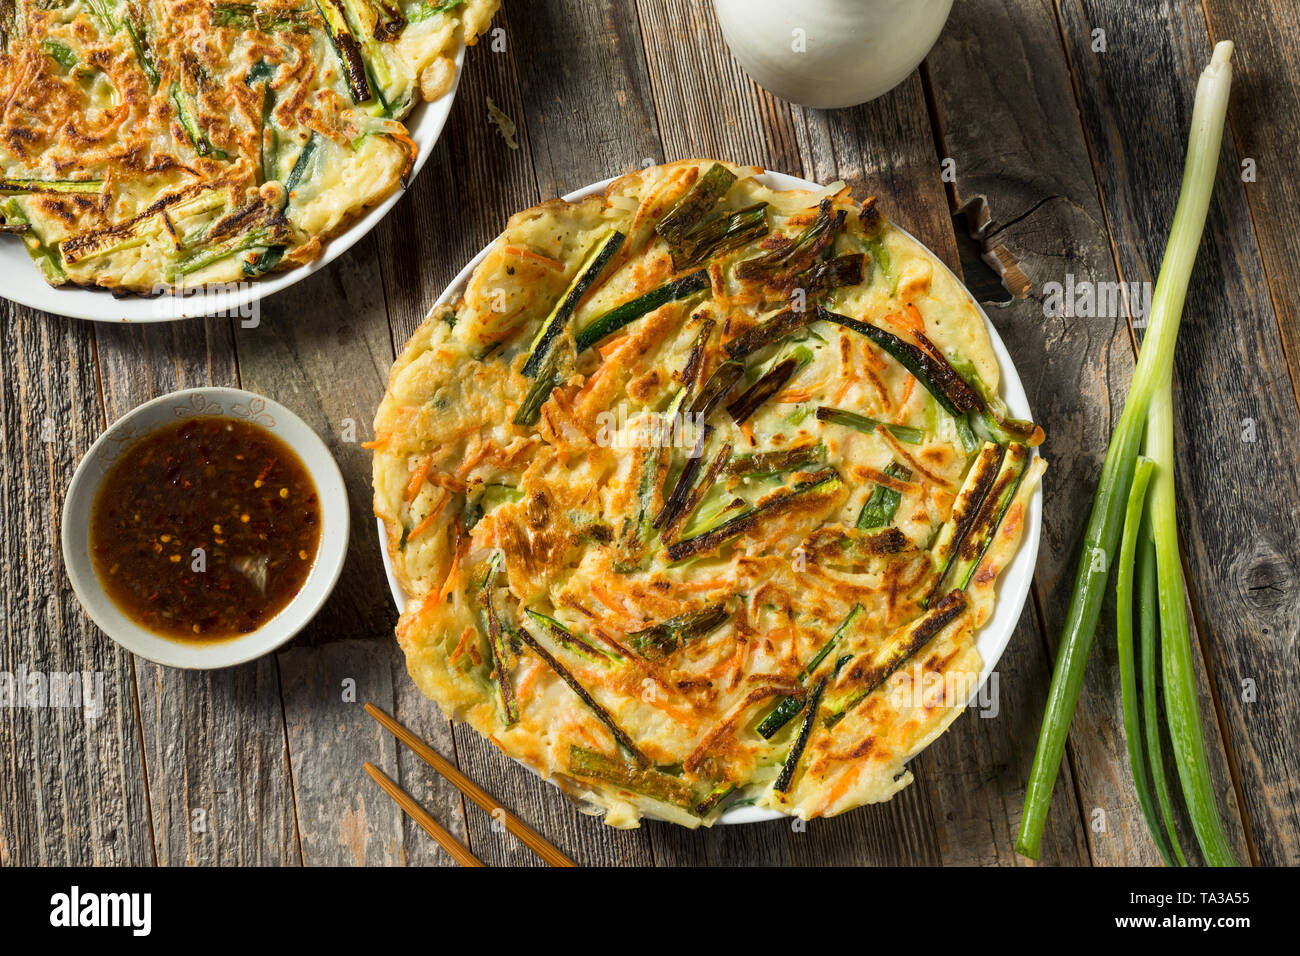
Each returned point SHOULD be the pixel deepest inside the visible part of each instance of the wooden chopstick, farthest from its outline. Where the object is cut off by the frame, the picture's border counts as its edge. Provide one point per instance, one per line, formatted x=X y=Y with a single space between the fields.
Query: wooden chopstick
x=527 y=835
x=459 y=853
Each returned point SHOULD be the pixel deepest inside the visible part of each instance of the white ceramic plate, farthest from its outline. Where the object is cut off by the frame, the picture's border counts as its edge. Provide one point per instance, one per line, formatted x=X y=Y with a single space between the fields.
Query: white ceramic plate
x=1013 y=583
x=166 y=410
x=21 y=281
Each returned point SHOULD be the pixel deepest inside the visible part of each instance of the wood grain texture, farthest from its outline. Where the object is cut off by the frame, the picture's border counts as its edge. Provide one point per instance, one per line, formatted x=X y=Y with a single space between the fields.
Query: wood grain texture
x=72 y=789
x=1007 y=114
x=707 y=105
x=1261 y=116
x=1239 y=502
x=585 y=92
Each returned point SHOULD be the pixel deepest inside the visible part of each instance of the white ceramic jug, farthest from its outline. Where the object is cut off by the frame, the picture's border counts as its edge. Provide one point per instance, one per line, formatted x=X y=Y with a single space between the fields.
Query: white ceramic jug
x=830 y=53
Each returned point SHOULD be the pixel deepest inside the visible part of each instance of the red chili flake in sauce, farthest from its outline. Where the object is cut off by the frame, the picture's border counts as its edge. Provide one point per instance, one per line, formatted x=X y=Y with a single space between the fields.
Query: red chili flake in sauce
x=205 y=529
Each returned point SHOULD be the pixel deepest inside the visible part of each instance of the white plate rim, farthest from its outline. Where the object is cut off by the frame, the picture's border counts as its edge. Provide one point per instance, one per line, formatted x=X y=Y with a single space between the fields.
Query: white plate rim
x=219 y=401
x=1013 y=584
x=21 y=282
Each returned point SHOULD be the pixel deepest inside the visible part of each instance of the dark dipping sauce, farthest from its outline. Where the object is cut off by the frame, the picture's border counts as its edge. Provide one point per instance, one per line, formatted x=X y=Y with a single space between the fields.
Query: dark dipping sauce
x=227 y=487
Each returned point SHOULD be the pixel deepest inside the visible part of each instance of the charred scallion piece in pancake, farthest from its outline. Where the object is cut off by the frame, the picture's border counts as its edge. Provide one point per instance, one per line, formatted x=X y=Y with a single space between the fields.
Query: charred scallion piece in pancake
x=19 y=187
x=496 y=637
x=769 y=464
x=861 y=423
x=136 y=32
x=690 y=210
x=993 y=413
x=771 y=382
x=825 y=482
x=790 y=705
x=348 y=49
x=639 y=530
x=695 y=360
x=269 y=137
x=267 y=19
x=621 y=315
x=714 y=798
x=786 y=777
x=974 y=489
x=584 y=695
x=301 y=166
x=849 y=269
x=186 y=113
x=569 y=640
x=675 y=502
x=717 y=388
x=767 y=333
x=660 y=640
x=970 y=549
x=721 y=234
x=787 y=260
x=590 y=765
x=683 y=512
x=868 y=671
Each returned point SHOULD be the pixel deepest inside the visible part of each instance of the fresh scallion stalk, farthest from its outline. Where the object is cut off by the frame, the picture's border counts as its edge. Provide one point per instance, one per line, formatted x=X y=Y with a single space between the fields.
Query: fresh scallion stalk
x=1124 y=645
x=1182 y=712
x=1150 y=395
x=1149 y=638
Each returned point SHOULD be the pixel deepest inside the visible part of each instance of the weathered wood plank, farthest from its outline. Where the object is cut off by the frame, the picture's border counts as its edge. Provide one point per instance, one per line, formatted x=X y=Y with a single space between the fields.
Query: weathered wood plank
x=707 y=105
x=585 y=92
x=1006 y=113
x=1233 y=391
x=1267 y=89
x=214 y=742
x=72 y=786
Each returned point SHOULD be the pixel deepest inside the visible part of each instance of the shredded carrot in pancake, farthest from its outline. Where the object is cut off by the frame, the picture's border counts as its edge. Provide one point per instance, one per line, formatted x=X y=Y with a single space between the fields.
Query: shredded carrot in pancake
x=908 y=387
x=465 y=637
x=417 y=479
x=431 y=517
x=547 y=261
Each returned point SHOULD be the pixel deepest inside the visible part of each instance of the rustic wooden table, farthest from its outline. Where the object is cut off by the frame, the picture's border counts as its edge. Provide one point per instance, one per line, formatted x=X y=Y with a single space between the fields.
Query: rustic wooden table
x=1064 y=121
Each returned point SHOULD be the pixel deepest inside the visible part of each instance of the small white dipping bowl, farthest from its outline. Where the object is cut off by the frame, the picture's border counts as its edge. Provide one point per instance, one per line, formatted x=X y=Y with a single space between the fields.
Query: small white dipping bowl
x=167 y=410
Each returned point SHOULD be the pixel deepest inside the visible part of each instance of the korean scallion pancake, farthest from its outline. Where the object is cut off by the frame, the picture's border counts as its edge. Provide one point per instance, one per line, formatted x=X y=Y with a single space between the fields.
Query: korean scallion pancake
x=700 y=492
x=150 y=144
